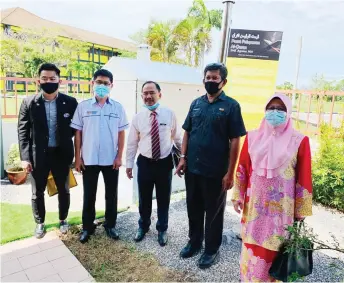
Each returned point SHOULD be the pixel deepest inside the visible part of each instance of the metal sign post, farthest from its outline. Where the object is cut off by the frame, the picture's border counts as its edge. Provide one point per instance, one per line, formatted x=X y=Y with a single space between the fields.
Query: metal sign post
x=299 y=51
x=226 y=23
x=2 y=168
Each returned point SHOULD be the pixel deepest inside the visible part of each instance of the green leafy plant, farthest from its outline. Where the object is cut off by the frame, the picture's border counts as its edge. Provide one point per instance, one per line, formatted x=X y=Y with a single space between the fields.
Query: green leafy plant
x=328 y=168
x=294 y=277
x=303 y=238
x=299 y=239
x=13 y=159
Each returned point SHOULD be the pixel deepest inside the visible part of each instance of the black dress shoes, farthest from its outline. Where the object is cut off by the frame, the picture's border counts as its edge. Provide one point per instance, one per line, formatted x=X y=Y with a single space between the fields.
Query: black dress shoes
x=190 y=251
x=162 y=238
x=85 y=236
x=207 y=260
x=140 y=234
x=112 y=233
x=40 y=231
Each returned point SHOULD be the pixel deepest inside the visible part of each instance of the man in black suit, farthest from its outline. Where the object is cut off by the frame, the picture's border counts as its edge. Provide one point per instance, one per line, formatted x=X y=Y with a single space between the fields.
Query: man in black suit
x=45 y=143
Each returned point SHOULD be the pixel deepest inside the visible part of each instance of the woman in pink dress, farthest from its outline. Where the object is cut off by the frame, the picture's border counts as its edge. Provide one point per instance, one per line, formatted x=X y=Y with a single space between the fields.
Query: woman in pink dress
x=273 y=187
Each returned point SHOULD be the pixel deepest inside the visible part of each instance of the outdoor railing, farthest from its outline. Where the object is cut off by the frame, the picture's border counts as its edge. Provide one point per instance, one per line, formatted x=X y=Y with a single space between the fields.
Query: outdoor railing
x=14 y=90
x=311 y=108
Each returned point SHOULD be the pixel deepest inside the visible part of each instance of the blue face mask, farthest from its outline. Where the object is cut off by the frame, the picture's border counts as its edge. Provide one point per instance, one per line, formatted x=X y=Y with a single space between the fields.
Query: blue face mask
x=152 y=107
x=101 y=90
x=275 y=117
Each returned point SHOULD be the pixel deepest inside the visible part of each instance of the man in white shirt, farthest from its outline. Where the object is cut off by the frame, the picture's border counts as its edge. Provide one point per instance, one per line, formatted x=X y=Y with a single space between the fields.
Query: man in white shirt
x=153 y=131
x=99 y=141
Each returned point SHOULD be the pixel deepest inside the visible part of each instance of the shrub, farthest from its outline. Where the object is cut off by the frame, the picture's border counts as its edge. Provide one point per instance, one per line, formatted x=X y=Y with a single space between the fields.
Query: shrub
x=328 y=168
x=13 y=158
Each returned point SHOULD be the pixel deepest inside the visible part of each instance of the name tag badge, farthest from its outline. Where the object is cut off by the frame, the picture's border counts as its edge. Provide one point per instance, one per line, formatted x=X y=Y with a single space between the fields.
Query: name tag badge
x=91 y=112
x=162 y=124
x=221 y=109
x=66 y=115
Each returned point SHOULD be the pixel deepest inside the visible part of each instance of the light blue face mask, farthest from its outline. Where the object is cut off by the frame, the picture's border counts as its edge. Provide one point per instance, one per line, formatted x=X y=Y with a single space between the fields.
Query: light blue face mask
x=275 y=117
x=152 y=107
x=101 y=91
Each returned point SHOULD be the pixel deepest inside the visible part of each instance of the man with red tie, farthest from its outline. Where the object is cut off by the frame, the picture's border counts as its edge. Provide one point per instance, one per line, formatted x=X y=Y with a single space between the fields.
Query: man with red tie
x=153 y=132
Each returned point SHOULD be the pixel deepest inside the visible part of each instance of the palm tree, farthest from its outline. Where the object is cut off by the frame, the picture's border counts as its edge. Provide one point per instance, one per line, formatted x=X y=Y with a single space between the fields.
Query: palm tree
x=185 y=42
x=160 y=36
x=192 y=40
x=210 y=18
x=197 y=26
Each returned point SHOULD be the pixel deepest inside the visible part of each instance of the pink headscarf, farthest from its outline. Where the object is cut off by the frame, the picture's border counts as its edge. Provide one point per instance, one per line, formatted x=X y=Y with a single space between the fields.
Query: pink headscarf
x=271 y=149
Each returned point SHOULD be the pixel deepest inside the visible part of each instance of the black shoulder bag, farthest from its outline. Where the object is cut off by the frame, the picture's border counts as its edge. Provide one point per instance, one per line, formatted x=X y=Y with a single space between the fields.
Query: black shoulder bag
x=294 y=257
x=175 y=156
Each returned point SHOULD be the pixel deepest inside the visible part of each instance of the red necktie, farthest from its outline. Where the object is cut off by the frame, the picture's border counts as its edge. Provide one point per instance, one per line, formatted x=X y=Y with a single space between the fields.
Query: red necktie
x=155 y=137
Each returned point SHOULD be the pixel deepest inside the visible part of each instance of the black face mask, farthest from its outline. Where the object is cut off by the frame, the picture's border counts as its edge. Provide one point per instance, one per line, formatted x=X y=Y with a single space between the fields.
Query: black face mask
x=50 y=88
x=212 y=87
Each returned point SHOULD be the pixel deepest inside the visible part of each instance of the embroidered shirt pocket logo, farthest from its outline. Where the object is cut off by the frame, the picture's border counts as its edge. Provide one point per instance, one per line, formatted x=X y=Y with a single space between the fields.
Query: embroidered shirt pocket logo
x=92 y=112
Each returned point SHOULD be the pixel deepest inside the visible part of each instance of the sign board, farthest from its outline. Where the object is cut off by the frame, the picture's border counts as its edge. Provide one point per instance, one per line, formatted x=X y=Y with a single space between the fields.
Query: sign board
x=252 y=63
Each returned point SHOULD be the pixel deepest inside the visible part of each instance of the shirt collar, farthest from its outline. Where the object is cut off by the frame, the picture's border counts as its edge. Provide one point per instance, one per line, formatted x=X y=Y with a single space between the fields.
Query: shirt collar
x=46 y=100
x=157 y=110
x=222 y=96
x=95 y=101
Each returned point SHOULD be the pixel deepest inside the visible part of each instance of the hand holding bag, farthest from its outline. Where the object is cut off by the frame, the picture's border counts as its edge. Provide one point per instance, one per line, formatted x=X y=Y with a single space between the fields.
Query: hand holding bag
x=51 y=186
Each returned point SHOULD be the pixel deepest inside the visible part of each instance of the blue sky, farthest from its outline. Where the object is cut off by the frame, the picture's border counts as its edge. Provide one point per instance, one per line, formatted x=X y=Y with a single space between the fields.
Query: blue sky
x=320 y=23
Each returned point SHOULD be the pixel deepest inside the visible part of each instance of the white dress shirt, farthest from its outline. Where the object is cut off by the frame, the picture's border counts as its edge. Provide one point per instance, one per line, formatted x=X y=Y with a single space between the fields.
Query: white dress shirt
x=140 y=134
x=100 y=127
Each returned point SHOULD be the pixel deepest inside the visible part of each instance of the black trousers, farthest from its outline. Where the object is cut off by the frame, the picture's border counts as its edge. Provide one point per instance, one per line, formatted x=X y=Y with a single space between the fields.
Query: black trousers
x=60 y=170
x=90 y=179
x=205 y=196
x=159 y=174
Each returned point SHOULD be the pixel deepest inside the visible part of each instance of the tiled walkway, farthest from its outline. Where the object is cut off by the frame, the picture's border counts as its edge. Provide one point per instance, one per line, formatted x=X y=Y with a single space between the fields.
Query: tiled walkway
x=45 y=260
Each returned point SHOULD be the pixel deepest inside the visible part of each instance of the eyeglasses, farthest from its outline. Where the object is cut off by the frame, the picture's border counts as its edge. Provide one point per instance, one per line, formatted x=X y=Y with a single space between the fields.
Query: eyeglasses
x=276 y=108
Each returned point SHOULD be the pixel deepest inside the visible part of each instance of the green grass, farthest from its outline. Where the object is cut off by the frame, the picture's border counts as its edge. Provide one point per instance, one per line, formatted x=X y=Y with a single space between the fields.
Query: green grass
x=302 y=127
x=17 y=221
x=327 y=105
x=10 y=106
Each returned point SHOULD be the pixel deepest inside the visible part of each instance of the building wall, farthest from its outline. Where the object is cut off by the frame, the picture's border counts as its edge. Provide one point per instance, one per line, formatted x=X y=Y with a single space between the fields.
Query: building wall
x=98 y=54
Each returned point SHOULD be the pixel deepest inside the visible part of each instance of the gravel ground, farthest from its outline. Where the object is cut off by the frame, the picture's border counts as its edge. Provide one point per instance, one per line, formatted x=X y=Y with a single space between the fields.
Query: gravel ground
x=228 y=267
x=326 y=222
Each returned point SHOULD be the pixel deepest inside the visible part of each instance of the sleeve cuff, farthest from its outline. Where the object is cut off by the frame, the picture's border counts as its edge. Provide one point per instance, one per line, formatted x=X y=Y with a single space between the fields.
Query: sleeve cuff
x=242 y=134
x=129 y=164
x=185 y=128
x=124 y=127
x=75 y=126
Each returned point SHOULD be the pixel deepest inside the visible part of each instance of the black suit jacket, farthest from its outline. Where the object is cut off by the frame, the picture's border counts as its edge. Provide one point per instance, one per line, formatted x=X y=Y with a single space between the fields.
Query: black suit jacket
x=33 y=133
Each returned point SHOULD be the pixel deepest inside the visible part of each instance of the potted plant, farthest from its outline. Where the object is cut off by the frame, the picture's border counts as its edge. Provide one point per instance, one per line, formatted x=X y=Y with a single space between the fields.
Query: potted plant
x=16 y=174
